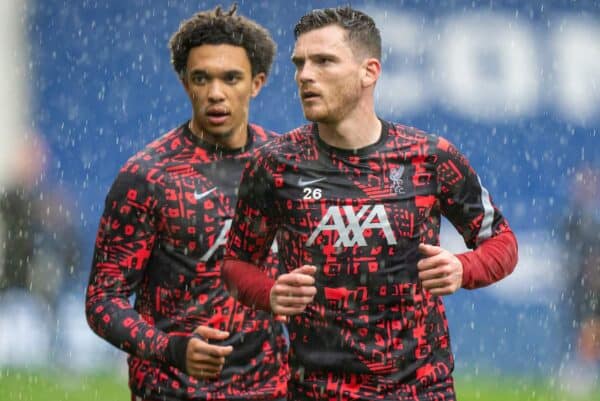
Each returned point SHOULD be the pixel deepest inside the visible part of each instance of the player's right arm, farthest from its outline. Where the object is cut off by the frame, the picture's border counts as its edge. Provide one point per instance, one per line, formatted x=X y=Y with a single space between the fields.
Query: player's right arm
x=250 y=237
x=470 y=208
x=126 y=236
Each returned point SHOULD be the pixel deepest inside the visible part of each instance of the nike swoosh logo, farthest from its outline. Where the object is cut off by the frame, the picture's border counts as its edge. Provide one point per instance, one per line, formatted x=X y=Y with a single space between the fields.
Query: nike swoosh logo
x=201 y=195
x=303 y=183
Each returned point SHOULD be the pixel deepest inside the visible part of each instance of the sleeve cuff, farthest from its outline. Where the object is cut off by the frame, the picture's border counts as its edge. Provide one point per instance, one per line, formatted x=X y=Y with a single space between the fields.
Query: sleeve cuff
x=176 y=350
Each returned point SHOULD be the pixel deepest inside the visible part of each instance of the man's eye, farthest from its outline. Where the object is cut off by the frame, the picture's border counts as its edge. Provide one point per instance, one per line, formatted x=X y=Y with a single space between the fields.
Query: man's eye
x=199 y=79
x=231 y=79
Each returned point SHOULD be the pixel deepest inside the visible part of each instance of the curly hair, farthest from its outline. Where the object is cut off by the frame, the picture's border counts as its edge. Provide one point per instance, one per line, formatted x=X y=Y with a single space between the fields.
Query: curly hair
x=217 y=27
x=362 y=31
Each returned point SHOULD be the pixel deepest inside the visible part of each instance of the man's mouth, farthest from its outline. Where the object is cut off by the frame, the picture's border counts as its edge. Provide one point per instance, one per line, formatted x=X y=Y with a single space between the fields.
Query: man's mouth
x=309 y=95
x=217 y=116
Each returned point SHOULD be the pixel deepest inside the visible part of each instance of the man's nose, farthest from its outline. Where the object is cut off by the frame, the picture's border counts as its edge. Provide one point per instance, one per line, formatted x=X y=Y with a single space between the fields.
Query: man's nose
x=216 y=91
x=305 y=73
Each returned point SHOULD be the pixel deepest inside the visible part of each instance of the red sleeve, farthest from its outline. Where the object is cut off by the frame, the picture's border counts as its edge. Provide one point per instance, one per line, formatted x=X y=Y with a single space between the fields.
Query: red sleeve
x=494 y=259
x=248 y=283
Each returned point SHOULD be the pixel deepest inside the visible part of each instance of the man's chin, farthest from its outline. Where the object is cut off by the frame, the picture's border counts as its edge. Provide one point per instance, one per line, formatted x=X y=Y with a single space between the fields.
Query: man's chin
x=218 y=131
x=313 y=116
x=318 y=118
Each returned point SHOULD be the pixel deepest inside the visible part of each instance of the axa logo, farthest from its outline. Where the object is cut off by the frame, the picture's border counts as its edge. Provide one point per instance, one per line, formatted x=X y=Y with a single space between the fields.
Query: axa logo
x=350 y=225
x=222 y=241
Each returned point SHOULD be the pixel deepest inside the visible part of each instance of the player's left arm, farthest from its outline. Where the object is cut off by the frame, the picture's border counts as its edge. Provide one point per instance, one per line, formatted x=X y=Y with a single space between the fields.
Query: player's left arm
x=252 y=231
x=469 y=207
x=251 y=234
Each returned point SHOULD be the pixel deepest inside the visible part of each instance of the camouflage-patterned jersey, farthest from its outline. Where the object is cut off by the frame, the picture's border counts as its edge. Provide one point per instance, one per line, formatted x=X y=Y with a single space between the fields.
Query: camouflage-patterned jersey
x=372 y=331
x=161 y=238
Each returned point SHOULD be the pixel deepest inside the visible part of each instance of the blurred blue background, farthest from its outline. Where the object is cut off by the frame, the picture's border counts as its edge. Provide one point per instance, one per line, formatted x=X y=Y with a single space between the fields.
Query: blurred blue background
x=515 y=85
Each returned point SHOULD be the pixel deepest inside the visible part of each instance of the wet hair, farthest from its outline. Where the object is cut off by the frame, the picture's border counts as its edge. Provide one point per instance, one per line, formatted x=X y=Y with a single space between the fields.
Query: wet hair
x=363 y=34
x=218 y=27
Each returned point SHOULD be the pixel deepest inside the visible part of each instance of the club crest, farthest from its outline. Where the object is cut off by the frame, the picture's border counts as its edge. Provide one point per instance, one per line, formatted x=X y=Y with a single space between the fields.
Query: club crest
x=397 y=180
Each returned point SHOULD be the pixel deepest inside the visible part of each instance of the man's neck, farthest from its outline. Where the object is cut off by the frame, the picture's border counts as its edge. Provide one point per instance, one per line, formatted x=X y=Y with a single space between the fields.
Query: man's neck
x=235 y=139
x=356 y=131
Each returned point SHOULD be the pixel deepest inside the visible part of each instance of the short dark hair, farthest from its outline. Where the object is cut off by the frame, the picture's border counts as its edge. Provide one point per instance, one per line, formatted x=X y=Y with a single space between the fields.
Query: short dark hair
x=217 y=27
x=362 y=31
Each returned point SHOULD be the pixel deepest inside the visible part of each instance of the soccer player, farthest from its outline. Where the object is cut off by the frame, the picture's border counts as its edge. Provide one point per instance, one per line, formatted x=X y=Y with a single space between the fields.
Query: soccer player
x=164 y=225
x=358 y=201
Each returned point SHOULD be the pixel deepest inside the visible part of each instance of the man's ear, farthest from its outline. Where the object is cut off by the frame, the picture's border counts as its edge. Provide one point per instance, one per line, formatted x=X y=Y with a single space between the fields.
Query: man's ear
x=258 y=81
x=371 y=69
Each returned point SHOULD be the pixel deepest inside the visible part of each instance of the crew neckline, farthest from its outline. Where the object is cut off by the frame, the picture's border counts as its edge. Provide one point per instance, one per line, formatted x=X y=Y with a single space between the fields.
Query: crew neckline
x=214 y=147
x=385 y=128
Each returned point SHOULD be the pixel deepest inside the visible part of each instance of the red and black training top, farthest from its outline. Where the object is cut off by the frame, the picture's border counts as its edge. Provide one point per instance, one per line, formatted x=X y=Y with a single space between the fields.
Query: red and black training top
x=372 y=331
x=161 y=238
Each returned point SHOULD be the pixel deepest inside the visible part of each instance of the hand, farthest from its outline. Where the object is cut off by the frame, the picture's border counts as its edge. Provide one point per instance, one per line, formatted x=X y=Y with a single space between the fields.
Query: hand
x=440 y=271
x=202 y=360
x=293 y=291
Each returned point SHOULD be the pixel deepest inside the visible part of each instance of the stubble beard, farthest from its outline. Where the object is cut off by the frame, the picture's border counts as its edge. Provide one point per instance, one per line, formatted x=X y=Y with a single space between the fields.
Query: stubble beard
x=345 y=101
